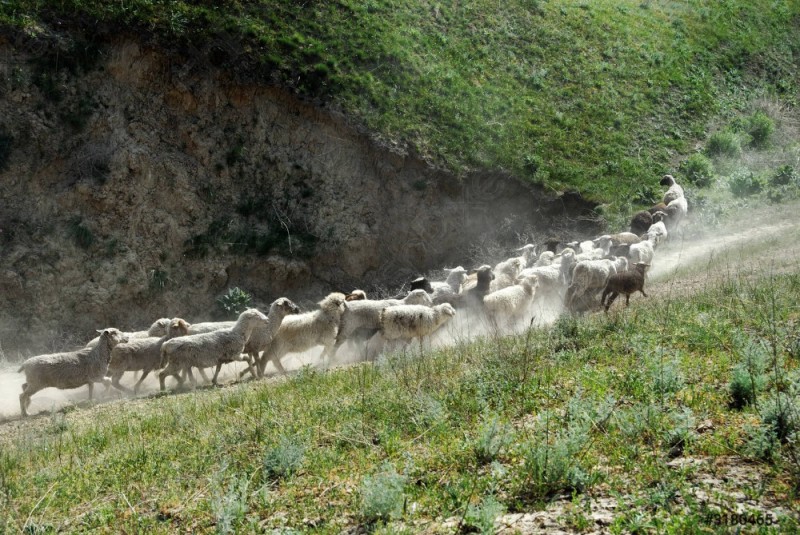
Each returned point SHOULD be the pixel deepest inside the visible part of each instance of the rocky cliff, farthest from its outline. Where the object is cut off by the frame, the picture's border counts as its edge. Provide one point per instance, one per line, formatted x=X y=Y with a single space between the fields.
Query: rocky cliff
x=133 y=186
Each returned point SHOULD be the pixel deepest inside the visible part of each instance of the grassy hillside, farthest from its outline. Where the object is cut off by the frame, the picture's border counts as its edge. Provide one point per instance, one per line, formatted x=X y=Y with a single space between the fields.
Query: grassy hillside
x=652 y=418
x=599 y=96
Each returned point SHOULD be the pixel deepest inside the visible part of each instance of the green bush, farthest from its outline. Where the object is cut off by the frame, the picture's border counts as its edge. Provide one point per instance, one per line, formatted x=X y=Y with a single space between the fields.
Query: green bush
x=724 y=143
x=480 y=518
x=698 y=170
x=493 y=436
x=382 y=495
x=234 y=302
x=284 y=458
x=745 y=183
x=784 y=176
x=760 y=128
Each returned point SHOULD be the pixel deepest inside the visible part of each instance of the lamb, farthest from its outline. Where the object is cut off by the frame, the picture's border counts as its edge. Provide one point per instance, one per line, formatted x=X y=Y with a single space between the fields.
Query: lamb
x=301 y=332
x=361 y=320
x=420 y=283
x=659 y=207
x=657 y=232
x=624 y=283
x=506 y=274
x=641 y=252
x=640 y=222
x=624 y=237
x=209 y=349
x=591 y=275
x=511 y=303
x=451 y=286
x=675 y=191
x=262 y=335
x=158 y=328
x=406 y=322
x=141 y=354
x=72 y=369
x=553 y=278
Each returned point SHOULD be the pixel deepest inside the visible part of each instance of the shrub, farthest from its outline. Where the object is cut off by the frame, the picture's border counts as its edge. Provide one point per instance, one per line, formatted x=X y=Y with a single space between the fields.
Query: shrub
x=698 y=170
x=761 y=443
x=724 y=143
x=382 y=495
x=745 y=183
x=760 y=128
x=284 y=458
x=780 y=416
x=493 y=436
x=230 y=506
x=784 y=176
x=680 y=431
x=480 y=518
x=234 y=302
x=743 y=387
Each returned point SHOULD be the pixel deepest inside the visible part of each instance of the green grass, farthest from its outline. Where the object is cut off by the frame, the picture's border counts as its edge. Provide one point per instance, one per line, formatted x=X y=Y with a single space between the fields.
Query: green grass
x=593 y=406
x=601 y=97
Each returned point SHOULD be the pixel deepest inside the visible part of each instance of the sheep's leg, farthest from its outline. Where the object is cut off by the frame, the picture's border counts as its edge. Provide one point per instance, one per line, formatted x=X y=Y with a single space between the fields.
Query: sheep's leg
x=627 y=300
x=216 y=374
x=25 y=397
x=644 y=294
x=91 y=390
x=139 y=382
x=115 y=383
x=202 y=373
x=276 y=361
x=162 y=377
x=611 y=299
x=191 y=376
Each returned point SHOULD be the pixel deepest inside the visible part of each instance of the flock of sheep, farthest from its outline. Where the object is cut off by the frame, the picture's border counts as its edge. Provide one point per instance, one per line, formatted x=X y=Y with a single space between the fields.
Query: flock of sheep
x=505 y=295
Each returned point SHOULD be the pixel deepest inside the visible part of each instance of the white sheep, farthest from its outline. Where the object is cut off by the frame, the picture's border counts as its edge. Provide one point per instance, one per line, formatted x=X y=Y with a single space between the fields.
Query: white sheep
x=209 y=349
x=406 y=322
x=141 y=354
x=262 y=335
x=361 y=320
x=675 y=212
x=506 y=273
x=675 y=191
x=591 y=276
x=72 y=369
x=157 y=329
x=509 y=304
x=642 y=252
x=553 y=279
x=301 y=332
x=545 y=259
x=451 y=286
x=657 y=232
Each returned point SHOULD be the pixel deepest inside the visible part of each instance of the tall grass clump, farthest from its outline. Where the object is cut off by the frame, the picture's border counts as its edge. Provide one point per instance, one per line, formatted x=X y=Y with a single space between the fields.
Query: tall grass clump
x=234 y=302
x=760 y=128
x=724 y=143
x=493 y=437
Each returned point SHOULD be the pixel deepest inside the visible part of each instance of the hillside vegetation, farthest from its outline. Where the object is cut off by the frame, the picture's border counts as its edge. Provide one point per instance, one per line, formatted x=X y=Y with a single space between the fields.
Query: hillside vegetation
x=600 y=97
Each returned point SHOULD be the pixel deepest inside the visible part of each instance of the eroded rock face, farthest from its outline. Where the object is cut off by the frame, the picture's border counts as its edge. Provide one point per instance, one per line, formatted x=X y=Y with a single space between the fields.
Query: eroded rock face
x=137 y=189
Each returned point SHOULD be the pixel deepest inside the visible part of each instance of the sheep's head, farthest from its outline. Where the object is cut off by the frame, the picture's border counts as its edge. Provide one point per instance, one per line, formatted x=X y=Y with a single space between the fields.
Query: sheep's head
x=159 y=327
x=667 y=180
x=421 y=283
x=112 y=337
x=641 y=267
x=446 y=309
x=284 y=306
x=485 y=273
x=529 y=283
x=177 y=327
x=356 y=295
x=334 y=303
x=659 y=216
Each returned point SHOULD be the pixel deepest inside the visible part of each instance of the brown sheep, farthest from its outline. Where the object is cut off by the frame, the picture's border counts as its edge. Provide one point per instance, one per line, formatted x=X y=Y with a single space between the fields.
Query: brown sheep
x=627 y=282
